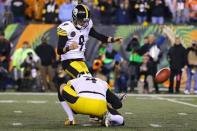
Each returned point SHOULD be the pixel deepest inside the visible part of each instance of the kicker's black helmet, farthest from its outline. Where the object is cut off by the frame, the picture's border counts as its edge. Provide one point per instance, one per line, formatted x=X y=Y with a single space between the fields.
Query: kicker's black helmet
x=81 y=16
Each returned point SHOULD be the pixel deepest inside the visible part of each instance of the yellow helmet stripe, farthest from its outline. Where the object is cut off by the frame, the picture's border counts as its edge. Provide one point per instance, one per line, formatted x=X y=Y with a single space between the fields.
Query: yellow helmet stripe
x=86 y=10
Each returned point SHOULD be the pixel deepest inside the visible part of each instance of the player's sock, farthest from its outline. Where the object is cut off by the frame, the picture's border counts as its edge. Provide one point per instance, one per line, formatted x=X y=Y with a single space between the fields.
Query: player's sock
x=117 y=120
x=68 y=110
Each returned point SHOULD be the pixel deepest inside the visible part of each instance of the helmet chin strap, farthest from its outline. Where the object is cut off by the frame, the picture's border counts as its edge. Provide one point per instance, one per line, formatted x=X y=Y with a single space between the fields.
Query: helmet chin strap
x=79 y=26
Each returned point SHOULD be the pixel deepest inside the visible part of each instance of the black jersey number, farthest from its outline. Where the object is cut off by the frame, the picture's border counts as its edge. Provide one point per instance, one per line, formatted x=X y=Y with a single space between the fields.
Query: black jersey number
x=81 y=41
x=91 y=79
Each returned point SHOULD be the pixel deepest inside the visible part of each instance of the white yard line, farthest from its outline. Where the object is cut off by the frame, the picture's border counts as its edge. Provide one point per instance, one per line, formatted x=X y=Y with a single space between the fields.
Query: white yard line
x=176 y=101
x=27 y=94
x=18 y=112
x=36 y=102
x=182 y=114
x=162 y=95
x=128 y=113
x=17 y=124
x=7 y=101
x=18 y=101
x=155 y=125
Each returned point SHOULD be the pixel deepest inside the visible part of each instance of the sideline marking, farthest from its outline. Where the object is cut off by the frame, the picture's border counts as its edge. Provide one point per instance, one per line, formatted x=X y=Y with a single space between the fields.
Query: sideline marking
x=7 y=101
x=87 y=125
x=128 y=113
x=182 y=114
x=17 y=124
x=179 y=102
x=18 y=112
x=36 y=102
x=155 y=125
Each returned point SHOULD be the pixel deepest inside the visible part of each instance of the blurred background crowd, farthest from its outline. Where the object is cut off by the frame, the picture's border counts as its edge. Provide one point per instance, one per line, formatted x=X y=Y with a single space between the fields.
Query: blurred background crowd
x=39 y=69
x=103 y=11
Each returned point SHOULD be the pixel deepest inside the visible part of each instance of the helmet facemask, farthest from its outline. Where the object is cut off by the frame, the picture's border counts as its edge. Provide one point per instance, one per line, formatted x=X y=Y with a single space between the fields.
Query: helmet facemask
x=81 y=23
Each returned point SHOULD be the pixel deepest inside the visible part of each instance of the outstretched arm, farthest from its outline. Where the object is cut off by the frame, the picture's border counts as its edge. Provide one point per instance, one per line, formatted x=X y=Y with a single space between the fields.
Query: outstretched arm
x=104 y=38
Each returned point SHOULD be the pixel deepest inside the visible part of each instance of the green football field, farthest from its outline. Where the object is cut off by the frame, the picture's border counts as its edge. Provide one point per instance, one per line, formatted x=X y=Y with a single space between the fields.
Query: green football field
x=42 y=112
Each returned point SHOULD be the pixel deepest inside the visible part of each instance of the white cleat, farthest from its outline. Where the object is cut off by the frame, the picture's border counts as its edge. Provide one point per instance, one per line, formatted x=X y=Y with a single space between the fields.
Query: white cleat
x=106 y=119
x=195 y=92
x=186 y=92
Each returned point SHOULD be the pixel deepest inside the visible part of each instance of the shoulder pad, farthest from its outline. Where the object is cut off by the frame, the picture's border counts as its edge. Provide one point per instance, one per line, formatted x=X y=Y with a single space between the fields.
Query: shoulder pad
x=62 y=29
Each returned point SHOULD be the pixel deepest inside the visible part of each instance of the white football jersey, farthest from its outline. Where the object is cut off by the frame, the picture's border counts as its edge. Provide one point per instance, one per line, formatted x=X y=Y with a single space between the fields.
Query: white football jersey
x=74 y=35
x=90 y=87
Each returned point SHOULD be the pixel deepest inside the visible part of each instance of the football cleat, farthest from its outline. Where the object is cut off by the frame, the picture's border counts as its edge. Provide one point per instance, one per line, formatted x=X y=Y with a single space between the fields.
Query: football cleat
x=186 y=92
x=69 y=123
x=106 y=119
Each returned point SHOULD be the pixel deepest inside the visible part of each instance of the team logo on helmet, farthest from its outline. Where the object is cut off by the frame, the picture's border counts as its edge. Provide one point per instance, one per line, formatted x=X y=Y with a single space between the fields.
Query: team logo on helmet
x=75 y=11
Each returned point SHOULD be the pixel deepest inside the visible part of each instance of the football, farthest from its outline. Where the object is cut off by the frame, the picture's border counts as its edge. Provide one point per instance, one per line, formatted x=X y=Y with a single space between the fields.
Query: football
x=162 y=75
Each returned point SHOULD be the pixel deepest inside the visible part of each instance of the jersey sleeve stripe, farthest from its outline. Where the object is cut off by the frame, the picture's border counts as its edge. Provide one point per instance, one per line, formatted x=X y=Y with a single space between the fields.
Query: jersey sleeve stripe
x=62 y=33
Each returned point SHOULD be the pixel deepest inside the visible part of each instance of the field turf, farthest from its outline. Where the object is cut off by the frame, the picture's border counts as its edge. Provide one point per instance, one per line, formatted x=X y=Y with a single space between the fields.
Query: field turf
x=42 y=112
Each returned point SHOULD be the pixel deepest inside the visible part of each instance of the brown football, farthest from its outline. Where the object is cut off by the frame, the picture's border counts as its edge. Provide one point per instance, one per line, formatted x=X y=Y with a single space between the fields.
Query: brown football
x=162 y=75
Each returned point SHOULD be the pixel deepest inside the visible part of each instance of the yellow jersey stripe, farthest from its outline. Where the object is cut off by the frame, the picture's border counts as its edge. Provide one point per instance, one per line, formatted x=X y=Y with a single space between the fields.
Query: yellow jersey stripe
x=62 y=33
x=86 y=10
x=59 y=29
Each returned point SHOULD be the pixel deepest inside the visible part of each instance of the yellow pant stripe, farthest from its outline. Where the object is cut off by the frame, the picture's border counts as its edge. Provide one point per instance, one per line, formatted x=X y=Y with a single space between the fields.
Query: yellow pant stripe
x=69 y=90
x=80 y=66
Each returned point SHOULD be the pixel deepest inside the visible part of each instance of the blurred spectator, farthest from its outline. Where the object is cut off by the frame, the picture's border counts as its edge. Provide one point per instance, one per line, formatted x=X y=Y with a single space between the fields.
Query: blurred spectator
x=47 y=56
x=180 y=11
x=123 y=13
x=50 y=12
x=193 y=9
x=157 y=12
x=121 y=76
x=65 y=11
x=134 y=61
x=145 y=82
x=18 y=11
x=97 y=69
x=34 y=9
x=152 y=50
x=31 y=80
x=2 y=13
x=59 y=2
x=191 y=68
x=110 y=58
x=107 y=10
x=18 y=59
x=142 y=7
x=5 y=48
x=177 y=60
x=171 y=6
